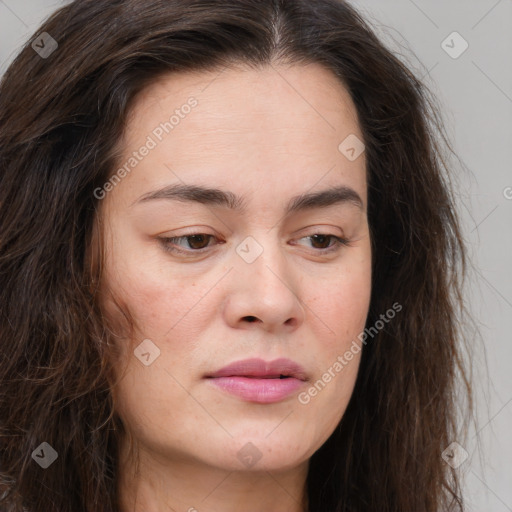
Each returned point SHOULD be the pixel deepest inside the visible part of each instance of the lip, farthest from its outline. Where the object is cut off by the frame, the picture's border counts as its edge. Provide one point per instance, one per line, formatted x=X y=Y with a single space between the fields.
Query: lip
x=256 y=380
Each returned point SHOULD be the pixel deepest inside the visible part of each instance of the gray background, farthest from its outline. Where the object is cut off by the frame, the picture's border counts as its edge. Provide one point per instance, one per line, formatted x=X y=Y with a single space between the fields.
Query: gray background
x=475 y=92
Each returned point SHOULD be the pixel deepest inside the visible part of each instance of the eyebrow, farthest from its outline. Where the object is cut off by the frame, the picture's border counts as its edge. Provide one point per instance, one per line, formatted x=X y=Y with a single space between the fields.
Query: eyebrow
x=217 y=197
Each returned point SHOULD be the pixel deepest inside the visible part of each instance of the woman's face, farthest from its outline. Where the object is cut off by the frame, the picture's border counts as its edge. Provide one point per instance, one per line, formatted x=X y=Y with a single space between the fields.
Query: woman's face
x=251 y=271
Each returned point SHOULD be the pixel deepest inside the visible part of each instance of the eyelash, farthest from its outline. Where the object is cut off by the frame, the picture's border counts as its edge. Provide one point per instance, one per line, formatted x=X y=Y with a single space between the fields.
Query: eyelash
x=168 y=245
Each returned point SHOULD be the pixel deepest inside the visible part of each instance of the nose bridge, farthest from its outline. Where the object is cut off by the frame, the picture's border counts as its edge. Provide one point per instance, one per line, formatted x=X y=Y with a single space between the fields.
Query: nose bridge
x=264 y=286
x=264 y=260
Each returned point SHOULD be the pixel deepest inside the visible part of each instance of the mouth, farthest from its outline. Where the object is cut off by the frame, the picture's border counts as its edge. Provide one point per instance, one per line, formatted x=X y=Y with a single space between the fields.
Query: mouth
x=259 y=381
x=260 y=369
x=267 y=376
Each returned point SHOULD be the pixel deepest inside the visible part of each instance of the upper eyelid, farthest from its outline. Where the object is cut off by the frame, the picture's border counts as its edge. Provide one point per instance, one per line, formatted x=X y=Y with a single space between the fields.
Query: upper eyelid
x=187 y=235
x=315 y=231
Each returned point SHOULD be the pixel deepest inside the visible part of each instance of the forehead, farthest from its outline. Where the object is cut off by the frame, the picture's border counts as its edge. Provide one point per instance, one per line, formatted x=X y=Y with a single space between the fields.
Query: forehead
x=246 y=126
x=308 y=92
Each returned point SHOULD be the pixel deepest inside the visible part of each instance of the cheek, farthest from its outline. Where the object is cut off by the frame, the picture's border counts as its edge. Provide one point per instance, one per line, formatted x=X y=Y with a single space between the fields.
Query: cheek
x=343 y=304
x=345 y=316
x=343 y=310
x=157 y=298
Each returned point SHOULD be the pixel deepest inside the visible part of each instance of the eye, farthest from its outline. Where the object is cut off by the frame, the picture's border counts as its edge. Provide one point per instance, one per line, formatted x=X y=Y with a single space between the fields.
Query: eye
x=200 y=242
x=324 y=239
x=196 y=242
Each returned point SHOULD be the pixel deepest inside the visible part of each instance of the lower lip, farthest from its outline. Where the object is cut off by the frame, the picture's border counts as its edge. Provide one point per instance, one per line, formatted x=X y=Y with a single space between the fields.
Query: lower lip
x=263 y=391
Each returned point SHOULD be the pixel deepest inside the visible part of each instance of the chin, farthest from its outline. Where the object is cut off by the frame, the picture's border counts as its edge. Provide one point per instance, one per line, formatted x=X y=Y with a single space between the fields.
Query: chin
x=260 y=453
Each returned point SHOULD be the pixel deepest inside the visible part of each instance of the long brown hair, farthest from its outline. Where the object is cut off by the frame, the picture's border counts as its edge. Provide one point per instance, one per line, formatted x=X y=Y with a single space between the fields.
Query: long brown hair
x=61 y=117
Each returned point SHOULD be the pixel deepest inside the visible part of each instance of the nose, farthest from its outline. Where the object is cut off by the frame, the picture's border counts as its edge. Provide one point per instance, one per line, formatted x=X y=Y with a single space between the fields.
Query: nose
x=264 y=292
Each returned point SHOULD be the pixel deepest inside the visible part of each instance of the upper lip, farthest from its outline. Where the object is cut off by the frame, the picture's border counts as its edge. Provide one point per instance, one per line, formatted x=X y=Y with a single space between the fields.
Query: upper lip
x=263 y=369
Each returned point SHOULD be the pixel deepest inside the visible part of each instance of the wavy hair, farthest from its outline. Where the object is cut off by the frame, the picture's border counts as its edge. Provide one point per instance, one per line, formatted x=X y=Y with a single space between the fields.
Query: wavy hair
x=61 y=122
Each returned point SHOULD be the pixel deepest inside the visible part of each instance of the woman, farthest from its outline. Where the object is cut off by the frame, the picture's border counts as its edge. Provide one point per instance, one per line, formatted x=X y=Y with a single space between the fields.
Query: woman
x=231 y=267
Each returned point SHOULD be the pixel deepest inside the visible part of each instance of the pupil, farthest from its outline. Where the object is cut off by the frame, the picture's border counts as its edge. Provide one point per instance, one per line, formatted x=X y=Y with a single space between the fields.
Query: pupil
x=321 y=237
x=201 y=238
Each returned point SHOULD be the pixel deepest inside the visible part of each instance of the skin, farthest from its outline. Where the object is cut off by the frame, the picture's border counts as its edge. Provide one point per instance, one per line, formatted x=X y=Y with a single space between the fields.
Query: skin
x=267 y=135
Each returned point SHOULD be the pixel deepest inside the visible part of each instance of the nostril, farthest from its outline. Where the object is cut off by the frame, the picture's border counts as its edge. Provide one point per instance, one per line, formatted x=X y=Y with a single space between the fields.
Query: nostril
x=251 y=318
